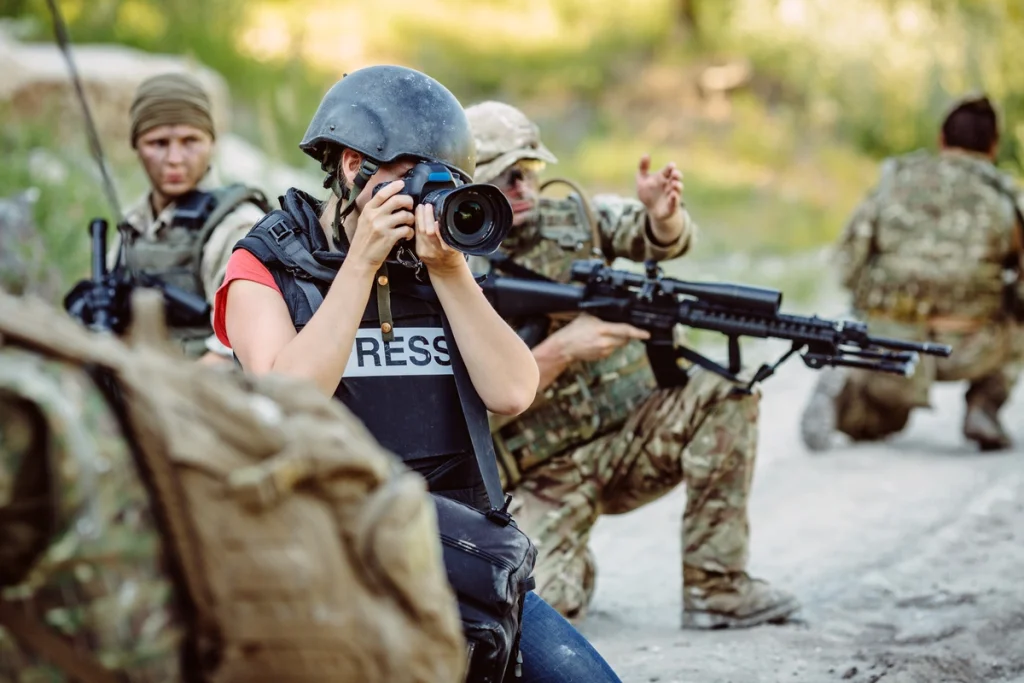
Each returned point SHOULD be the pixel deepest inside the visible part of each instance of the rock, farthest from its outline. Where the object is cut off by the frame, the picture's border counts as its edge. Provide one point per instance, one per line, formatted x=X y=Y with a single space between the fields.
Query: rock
x=237 y=160
x=37 y=86
x=23 y=269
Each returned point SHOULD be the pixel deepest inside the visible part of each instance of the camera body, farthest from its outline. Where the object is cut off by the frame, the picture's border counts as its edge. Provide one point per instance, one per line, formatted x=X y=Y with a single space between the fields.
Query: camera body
x=473 y=218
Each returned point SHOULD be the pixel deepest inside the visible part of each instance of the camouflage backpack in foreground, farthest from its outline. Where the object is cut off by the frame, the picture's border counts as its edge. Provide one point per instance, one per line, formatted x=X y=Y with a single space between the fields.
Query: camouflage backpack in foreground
x=304 y=553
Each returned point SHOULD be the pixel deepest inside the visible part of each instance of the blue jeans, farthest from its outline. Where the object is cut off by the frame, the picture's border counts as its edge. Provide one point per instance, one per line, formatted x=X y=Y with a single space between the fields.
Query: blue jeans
x=555 y=652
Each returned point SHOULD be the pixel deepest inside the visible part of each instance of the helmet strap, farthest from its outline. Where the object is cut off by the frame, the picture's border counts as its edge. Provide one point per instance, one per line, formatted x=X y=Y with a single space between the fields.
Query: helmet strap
x=347 y=195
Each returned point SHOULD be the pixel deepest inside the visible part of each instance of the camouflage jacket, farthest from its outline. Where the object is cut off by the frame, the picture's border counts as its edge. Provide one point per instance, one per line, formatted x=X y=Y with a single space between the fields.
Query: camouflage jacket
x=588 y=399
x=77 y=539
x=931 y=239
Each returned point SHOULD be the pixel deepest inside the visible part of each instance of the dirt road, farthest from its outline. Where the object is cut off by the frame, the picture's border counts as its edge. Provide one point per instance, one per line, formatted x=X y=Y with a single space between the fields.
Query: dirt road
x=908 y=557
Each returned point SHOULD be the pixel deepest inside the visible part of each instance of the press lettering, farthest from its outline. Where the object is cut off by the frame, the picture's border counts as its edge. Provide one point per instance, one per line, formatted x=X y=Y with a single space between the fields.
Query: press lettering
x=416 y=352
x=395 y=347
x=441 y=346
x=367 y=347
x=419 y=346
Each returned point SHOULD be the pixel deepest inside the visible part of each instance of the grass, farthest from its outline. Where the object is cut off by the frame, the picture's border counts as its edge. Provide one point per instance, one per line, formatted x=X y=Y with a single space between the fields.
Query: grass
x=778 y=176
x=69 y=194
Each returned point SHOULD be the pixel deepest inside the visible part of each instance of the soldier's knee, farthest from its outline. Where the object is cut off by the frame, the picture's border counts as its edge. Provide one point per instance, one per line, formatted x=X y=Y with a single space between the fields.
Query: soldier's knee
x=865 y=414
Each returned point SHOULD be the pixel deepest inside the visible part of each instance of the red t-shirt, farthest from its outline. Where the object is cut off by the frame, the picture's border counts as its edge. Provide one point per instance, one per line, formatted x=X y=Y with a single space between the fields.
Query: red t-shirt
x=242 y=265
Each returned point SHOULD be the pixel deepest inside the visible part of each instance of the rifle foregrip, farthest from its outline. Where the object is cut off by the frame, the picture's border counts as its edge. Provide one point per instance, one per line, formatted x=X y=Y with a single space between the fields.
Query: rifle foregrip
x=513 y=297
x=192 y=304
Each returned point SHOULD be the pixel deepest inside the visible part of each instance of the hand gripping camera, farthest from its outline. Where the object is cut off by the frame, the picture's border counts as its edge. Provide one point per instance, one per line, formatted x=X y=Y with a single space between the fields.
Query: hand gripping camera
x=473 y=218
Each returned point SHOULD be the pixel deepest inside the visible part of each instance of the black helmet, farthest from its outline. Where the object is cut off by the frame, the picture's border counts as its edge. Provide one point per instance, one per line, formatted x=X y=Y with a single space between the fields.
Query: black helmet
x=389 y=112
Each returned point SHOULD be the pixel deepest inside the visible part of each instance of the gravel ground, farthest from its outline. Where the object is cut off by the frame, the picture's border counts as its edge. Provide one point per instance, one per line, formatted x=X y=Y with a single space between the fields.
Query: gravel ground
x=907 y=556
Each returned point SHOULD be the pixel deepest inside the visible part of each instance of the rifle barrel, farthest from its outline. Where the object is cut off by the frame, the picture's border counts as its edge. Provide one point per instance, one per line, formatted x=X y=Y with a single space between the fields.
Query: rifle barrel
x=98 y=235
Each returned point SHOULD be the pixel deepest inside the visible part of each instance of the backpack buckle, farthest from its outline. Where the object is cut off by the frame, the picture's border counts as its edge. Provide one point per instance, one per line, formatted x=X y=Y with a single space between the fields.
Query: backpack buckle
x=501 y=517
x=279 y=231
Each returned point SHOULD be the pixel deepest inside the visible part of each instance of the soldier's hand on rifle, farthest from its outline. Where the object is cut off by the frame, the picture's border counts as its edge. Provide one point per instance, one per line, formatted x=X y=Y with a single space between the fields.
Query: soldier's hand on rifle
x=384 y=220
x=588 y=338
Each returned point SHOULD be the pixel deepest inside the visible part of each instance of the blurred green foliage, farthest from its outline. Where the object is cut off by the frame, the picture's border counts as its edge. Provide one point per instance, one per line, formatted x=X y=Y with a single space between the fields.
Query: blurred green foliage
x=69 y=194
x=774 y=166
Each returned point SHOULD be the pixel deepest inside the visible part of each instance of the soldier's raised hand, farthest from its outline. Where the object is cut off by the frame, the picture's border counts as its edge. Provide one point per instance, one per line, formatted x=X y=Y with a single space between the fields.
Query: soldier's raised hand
x=660 y=191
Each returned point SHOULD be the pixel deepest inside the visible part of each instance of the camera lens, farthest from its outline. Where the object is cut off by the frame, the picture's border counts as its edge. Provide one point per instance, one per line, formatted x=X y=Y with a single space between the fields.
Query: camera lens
x=473 y=218
x=468 y=217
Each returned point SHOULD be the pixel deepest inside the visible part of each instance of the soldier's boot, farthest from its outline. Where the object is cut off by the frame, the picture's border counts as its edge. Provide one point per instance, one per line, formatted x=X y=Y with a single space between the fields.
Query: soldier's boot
x=982 y=425
x=713 y=600
x=981 y=422
x=818 y=424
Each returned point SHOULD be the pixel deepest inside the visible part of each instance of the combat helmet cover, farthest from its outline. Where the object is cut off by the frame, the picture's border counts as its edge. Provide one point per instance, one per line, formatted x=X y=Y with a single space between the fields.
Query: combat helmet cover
x=504 y=135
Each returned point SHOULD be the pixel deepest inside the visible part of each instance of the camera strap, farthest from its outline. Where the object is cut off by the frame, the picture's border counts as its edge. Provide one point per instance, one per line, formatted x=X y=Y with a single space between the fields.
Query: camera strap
x=475 y=414
x=381 y=282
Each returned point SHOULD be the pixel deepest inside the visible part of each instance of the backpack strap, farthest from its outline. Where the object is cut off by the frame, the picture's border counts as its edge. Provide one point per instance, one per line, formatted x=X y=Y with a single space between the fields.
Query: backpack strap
x=36 y=637
x=169 y=505
x=226 y=200
x=284 y=243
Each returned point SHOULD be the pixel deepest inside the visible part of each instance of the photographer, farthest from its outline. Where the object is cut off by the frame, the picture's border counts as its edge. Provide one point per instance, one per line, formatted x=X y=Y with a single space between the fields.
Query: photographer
x=374 y=335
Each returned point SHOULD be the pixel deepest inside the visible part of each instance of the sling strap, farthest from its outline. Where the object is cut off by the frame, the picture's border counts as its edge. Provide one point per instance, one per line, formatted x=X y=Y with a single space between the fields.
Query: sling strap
x=37 y=637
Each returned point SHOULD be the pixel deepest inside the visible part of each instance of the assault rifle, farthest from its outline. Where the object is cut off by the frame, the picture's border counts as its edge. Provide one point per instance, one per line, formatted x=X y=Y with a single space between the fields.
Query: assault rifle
x=103 y=302
x=657 y=304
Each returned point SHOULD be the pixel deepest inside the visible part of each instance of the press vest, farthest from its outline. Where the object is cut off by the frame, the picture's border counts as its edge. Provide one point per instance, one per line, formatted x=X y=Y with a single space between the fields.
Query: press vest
x=403 y=390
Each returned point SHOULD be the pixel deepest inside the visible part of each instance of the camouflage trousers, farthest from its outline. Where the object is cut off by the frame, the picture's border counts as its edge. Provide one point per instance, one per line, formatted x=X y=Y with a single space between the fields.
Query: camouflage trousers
x=704 y=434
x=872 y=405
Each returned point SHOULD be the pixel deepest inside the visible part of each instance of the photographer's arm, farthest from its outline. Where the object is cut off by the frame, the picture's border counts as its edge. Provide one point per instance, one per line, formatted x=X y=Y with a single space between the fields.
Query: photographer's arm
x=261 y=329
x=500 y=365
x=264 y=339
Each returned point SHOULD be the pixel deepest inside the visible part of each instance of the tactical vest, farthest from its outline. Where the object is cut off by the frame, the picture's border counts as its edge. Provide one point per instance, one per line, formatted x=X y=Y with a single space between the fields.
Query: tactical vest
x=403 y=389
x=589 y=399
x=299 y=552
x=176 y=256
x=941 y=229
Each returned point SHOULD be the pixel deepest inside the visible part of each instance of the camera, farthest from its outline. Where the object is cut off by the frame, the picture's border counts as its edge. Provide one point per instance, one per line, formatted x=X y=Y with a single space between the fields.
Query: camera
x=473 y=218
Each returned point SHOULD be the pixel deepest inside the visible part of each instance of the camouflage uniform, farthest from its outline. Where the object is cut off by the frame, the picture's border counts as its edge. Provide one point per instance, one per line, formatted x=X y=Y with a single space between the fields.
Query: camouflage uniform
x=604 y=439
x=923 y=257
x=90 y=561
x=158 y=244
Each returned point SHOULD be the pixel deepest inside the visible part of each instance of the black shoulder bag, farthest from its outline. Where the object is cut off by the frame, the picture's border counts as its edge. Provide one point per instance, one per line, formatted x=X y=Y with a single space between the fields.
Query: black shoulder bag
x=489 y=560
